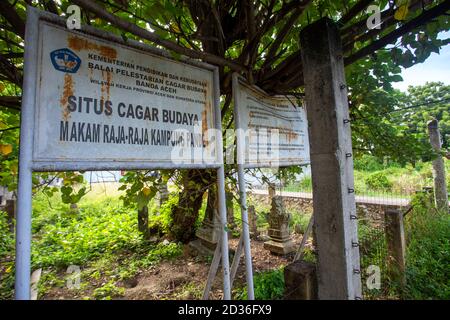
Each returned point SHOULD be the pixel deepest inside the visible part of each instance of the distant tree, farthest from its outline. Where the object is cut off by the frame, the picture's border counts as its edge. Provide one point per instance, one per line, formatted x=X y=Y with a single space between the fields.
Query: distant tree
x=429 y=101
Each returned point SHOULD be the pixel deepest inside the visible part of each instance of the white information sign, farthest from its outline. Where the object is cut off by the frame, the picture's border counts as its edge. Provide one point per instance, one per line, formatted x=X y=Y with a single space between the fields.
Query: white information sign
x=275 y=128
x=103 y=102
x=93 y=101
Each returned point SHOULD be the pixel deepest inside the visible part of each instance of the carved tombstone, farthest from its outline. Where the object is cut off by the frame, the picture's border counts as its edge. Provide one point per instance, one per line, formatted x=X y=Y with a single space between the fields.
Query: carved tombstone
x=280 y=241
x=209 y=231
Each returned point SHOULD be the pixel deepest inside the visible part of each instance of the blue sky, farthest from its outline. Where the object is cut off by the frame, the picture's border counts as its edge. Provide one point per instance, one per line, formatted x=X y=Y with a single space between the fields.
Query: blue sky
x=435 y=68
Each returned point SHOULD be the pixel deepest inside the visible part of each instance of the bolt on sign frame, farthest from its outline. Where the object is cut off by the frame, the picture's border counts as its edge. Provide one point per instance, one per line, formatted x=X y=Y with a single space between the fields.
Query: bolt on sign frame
x=272 y=113
x=55 y=116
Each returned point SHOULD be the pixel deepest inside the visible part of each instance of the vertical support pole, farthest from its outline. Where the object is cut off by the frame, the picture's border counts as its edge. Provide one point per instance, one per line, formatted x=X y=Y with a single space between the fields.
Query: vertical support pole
x=395 y=240
x=221 y=192
x=331 y=162
x=212 y=271
x=23 y=220
x=440 y=185
x=240 y=150
x=301 y=248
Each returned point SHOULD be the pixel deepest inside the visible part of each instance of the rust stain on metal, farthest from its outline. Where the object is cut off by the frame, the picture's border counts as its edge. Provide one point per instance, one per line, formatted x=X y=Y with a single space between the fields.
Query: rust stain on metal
x=291 y=135
x=206 y=107
x=106 y=85
x=79 y=43
x=67 y=92
x=102 y=88
x=205 y=124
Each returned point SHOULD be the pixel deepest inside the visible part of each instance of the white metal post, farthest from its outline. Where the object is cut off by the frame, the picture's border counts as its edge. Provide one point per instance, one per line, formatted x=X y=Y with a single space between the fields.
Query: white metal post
x=242 y=191
x=23 y=223
x=221 y=192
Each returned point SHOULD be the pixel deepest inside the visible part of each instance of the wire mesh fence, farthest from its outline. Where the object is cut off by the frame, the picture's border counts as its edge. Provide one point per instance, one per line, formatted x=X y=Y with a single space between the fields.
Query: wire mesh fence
x=373 y=256
x=371 y=206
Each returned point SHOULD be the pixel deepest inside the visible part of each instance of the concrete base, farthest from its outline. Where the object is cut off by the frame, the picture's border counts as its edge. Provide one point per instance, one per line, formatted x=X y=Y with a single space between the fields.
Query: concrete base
x=203 y=250
x=209 y=236
x=300 y=281
x=280 y=248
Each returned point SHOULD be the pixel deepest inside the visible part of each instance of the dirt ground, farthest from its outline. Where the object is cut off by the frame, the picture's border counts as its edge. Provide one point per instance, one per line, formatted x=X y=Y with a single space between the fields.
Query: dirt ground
x=182 y=278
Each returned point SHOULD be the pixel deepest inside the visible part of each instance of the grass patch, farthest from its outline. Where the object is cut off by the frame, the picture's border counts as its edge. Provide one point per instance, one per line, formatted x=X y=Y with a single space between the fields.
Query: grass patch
x=268 y=285
x=102 y=239
x=428 y=251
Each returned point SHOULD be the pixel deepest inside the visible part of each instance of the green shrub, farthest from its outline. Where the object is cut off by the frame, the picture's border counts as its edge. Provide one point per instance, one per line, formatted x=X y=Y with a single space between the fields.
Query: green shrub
x=99 y=227
x=159 y=223
x=428 y=251
x=299 y=219
x=6 y=258
x=305 y=183
x=378 y=181
x=108 y=291
x=268 y=285
x=6 y=236
x=162 y=251
x=368 y=163
x=6 y=280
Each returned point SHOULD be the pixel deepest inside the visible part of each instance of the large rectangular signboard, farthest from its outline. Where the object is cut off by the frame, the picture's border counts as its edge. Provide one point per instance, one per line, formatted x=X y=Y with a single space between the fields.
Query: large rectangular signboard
x=103 y=104
x=275 y=130
x=94 y=101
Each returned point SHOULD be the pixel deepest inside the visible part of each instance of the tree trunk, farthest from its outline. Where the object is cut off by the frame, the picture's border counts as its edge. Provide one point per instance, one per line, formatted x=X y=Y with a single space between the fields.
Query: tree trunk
x=143 y=222
x=185 y=213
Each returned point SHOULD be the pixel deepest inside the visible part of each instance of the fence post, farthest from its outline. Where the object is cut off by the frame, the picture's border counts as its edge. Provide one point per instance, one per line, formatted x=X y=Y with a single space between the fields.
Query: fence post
x=440 y=186
x=300 y=281
x=396 y=247
x=338 y=267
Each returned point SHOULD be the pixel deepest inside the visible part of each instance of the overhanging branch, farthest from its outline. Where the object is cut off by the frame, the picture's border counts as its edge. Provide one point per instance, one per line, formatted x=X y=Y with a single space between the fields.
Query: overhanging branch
x=7 y=11
x=101 y=12
x=425 y=17
x=10 y=71
x=357 y=8
x=10 y=102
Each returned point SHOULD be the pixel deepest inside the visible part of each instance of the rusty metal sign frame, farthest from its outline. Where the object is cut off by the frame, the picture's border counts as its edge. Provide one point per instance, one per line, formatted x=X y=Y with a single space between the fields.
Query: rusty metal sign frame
x=27 y=165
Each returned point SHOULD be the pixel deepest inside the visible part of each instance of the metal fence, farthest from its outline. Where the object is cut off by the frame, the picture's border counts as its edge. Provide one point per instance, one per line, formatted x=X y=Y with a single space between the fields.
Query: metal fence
x=371 y=207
